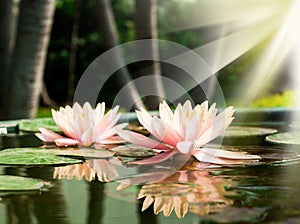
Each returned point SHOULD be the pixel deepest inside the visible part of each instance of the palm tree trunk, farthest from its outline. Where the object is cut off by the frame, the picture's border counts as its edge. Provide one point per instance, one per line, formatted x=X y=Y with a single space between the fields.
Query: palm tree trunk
x=146 y=28
x=73 y=50
x=6 y=45
x=24 y=88
x=110 y=38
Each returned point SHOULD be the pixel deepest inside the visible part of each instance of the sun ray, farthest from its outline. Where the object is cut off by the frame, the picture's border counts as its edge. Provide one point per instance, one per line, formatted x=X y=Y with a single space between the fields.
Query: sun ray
x=211 y=12
x=264 y=72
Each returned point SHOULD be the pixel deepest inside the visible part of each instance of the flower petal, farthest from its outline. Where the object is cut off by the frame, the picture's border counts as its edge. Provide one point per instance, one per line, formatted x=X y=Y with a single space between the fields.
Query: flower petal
x=221 y=122
x=66 y=142
x=47 y=135
x=186 y=147
x=164 y=132
x=209 y=158
x=155 y=159
x=165 y=113
x=111 y=132
x=87 y=138
x=113 y=140
x=142 y=140
x=228 y=154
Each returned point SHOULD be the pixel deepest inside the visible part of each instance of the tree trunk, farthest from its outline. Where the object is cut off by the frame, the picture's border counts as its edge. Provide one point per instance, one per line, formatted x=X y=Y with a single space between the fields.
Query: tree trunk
x=6 y=43
x=73 y=50
x=110 y=38
x=45 y=98
x=146 y=28
x=34 y=26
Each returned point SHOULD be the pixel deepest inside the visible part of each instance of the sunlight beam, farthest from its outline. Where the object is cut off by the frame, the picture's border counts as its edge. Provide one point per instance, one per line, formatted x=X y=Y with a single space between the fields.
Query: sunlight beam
x=234 y=45
x=262 y=75
x=212 y=12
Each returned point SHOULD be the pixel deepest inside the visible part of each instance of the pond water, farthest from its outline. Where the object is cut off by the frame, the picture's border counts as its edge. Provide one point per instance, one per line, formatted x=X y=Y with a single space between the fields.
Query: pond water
x=267 y=192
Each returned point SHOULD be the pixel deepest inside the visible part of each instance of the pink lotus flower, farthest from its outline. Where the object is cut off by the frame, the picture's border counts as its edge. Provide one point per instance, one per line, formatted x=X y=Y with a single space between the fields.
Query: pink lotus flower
x=84 y=126
x=186 y=131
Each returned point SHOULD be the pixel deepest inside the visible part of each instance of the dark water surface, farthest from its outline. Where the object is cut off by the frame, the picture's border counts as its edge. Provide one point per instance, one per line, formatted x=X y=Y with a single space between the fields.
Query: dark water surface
x=265 y=193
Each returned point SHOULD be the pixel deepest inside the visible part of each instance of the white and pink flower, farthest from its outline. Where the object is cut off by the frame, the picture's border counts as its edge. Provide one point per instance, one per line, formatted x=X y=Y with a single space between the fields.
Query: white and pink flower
x=186 y=131
x=84 y=126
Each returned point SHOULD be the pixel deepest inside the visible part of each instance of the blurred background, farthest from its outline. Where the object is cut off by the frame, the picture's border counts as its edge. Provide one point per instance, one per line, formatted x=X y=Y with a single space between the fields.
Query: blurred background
x=46 y=45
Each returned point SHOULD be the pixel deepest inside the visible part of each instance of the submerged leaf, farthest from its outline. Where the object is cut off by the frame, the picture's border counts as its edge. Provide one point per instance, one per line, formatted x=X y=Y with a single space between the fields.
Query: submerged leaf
x=16 y=183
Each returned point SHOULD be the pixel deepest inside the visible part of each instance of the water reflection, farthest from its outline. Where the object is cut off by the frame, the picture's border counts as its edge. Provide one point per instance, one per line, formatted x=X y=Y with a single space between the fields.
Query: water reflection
x=95 y=208
x=194 y=191
x=44 y=207
x=100 y=169
x=263 y=193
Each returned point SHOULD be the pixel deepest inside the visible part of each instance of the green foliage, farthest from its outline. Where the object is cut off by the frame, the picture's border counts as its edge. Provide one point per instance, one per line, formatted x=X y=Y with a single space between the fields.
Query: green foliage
x=170 y=14
x=284 y=99
x=43 y=112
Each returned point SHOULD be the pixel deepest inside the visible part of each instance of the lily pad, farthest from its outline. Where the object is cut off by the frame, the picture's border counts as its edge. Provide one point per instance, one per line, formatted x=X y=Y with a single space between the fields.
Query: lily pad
x=243 y=135
x=33 y=157
x=33 y=125
x=286 y=138
x=86 y=153
x=69 y=152
x=17 y=183
x=245 y=131
x=134 y=151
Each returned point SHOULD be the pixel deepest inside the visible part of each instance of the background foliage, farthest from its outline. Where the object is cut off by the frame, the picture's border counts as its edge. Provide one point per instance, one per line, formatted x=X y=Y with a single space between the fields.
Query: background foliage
x=90 y=43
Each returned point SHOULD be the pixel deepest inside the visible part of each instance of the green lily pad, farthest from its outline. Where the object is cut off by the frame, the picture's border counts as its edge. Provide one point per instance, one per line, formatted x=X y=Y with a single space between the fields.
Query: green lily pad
x=17 y=183
x=245 y=131
x=33 y=125
x=33 y=157
x=287 y=138
x=86 y=153
x=81 y=153
x=134 y=151
x=244 y=135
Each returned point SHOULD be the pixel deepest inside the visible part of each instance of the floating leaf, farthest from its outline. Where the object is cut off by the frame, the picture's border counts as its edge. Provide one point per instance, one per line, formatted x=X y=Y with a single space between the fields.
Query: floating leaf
x=287 y=138
x=33 y=125
x=244 y=131
x=243 y=135
x=80 y=153
x=33 y=157
x=84 y=152
x=17 y=183
x=134 y=151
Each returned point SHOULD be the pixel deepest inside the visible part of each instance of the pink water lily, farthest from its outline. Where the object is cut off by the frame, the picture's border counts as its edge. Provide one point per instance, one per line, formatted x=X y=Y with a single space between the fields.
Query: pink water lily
x=84 y=126
x=186 y=130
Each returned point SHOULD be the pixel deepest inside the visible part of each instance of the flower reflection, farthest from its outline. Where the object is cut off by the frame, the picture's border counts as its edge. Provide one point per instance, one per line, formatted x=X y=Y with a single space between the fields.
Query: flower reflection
x=101 y=169
x=194 y=191
x=186 y=131
x=83 y=125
